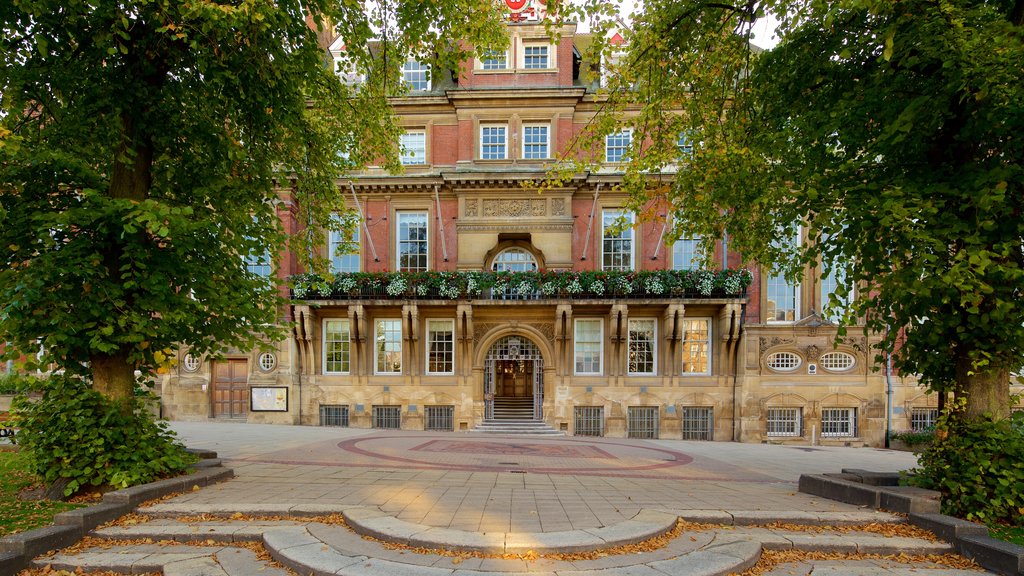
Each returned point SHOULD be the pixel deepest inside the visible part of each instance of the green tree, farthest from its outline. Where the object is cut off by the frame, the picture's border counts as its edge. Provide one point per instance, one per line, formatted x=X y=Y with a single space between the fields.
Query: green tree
x=147 y=148
x=890 y=130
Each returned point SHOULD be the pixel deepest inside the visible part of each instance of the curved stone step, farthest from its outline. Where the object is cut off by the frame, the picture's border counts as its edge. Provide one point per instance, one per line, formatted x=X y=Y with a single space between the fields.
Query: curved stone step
x=372 y=522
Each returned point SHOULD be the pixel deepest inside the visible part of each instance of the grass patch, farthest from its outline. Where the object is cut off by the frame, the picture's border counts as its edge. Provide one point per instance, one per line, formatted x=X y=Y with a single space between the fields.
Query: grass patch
x=1013 y=534
x=17 y=515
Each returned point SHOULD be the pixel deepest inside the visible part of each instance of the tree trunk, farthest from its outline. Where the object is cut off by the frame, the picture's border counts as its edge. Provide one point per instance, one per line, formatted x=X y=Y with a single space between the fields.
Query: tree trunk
x=988 y=392
x=113 y=376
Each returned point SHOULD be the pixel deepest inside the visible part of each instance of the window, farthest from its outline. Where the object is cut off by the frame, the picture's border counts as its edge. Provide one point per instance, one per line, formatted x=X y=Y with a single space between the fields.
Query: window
x=642 y=422
x=344 y=254
x=337 y=347
x=388 y=334
x=493 y=140
x=686 y=254
x=259 y=265
x=698 y=423
x=536 y=141
x=347 y=72
x=831 y=280
x=588 y=346
x=616 y=245
x=416 y=75
x=439 y=418
x=413 y=146
x=440 y=346
x=588 y=421
x=494 y=60
x=696 y=346
x=267 y=361
x=412 y=242
x=684 y=145
x=783 y=295
x=784 y=422
x=922 y=419
x=387 y=417
x=838 y=422
x=642 y=344
x=616 y=146
x=535 y=56
x=836 y=361
x=514 y=260
x=334 y=415
x=783 y=361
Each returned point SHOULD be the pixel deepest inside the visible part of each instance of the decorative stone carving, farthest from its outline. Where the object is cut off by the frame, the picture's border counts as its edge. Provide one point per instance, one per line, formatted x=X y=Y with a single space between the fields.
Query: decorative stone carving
x=514 y=208
x=558 y=207
x=547 y=329
x=481 y=328
x=859 y=344
x=774 y=341
x=472 y=207
x=812 y=353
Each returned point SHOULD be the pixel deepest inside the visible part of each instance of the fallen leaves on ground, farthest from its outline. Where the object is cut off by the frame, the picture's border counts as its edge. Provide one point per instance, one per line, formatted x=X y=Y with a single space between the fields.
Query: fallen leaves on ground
x=49 y=571
x=770 y=559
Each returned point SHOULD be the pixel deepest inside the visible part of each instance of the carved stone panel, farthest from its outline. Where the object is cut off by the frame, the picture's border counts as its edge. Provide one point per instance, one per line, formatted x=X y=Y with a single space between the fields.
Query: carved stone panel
x=472 y=207
x=513 y=208
x=558 y=207
x=772 y=342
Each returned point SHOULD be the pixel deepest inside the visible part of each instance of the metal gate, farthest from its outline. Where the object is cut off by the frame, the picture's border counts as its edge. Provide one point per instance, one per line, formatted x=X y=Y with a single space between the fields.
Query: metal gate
x=515 y=348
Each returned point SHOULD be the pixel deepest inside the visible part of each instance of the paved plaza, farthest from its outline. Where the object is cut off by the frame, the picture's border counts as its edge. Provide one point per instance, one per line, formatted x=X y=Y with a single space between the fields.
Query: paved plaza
x=506 y=499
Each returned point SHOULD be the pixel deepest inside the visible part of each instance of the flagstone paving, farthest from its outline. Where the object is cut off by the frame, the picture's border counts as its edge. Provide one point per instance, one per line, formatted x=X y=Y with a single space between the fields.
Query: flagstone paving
x=488 y=493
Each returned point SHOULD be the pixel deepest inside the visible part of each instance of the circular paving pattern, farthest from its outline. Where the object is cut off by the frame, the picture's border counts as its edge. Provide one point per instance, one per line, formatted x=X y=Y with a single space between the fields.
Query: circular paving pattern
x=519 y=454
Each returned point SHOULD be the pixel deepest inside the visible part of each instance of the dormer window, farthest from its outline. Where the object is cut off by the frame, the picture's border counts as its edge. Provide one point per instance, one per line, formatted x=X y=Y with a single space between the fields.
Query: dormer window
x=416 y=75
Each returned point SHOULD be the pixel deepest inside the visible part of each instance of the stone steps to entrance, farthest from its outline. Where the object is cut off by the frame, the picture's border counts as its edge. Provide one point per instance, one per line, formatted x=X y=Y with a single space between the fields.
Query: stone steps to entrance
x=313 y=548
x=515 y=427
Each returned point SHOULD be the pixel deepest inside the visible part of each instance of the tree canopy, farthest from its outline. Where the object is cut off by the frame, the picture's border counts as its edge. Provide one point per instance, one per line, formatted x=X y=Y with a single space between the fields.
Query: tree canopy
x=147 y=149
x=890 y=131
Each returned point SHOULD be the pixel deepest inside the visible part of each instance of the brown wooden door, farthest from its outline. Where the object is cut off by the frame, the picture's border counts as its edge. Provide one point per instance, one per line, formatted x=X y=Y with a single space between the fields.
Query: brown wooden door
x=230 y=389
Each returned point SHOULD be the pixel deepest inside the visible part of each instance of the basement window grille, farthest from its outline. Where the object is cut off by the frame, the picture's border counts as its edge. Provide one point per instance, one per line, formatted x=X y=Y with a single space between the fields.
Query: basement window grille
x=698 y=423
x=643 y=422
x=334 y=415
x=589 y=421
x=922 y=419
x=784 y=422
x=440 y=418
x=387 y=417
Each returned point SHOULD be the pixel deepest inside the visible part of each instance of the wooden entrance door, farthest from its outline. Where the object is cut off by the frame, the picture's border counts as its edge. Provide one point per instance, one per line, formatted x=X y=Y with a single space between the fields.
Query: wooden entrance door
x=230 y=389
x=514 y=378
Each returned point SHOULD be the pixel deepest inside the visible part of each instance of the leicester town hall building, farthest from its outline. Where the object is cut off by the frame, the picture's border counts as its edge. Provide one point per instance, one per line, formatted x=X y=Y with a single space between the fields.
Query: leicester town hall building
x=474 y=303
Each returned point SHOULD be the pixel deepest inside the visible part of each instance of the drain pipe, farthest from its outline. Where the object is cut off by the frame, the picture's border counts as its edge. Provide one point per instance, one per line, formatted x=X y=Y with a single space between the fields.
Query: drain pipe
x=888 y=398
x=735 y=377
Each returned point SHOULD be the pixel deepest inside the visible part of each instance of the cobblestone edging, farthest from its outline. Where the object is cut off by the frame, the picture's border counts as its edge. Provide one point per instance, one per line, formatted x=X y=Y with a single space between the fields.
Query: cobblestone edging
x=17 y=550
x=880 y=490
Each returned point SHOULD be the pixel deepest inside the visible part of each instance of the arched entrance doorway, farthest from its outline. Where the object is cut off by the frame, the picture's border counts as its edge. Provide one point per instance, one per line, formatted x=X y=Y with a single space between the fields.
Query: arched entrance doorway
x=514 y=380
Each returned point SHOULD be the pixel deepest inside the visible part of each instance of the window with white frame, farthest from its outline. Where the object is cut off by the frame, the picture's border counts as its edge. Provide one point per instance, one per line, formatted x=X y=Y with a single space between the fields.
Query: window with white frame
x=783 y=422
x=643 y=343
x=696 y=346
x=514 y=260
x=344 y=253
x=587 y=337
x=535 y=56
x=536 y=141
x=416 y=75
x=922 y=419
x=388 y=345
x=346 y=71
x=684 y=145
x=337 y=347
x=493 y=141
x=783 y=295
x=494 y=60
x=687 y=254
x=440 y=346
x=616 y=145
x=411 y=253
x=259 y=264
x=831 y=279
x=838 y=422
x=413 y=147
x=616 y=240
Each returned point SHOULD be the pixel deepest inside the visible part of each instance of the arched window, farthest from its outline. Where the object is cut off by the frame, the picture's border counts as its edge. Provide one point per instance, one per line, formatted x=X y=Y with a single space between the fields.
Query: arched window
x=514 y=260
